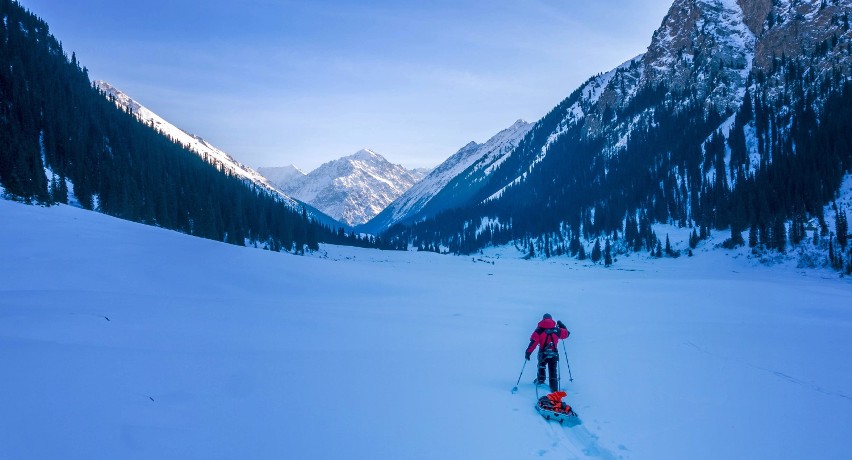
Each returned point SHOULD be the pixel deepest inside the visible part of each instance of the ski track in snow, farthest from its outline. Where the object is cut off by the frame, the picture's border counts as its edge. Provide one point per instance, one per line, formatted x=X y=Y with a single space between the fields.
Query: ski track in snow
x=574 y=440
x=579 y=436
x=781 y=375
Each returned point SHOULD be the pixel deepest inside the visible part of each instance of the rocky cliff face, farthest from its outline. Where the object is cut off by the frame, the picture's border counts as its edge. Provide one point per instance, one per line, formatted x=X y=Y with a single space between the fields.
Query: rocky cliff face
x=703 y=46
x=799 y=28
x=754 y=13
x=707 y=50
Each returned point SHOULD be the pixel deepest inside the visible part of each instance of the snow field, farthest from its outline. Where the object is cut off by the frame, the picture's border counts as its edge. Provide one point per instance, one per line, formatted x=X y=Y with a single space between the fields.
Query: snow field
x=214 y=351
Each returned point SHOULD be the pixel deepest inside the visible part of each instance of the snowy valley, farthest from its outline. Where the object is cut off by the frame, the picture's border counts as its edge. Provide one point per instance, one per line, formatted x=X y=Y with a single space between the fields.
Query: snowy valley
x=127 y=341
x=186 y=306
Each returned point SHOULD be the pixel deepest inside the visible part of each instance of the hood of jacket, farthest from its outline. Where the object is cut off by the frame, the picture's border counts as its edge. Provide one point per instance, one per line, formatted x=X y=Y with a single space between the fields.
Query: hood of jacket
x=547 y=323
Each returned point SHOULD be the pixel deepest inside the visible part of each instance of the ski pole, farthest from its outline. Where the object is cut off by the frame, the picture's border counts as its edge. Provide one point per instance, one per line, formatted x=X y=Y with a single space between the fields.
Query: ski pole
x=558 y=373
x=515 y=388
x=570 y=378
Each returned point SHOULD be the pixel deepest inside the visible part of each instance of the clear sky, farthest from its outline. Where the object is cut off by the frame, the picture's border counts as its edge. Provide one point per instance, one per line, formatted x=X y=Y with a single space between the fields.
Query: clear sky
x=276 y=82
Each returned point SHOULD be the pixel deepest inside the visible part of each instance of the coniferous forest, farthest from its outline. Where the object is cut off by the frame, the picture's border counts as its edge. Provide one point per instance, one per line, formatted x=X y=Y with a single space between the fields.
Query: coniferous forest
x=61 y=139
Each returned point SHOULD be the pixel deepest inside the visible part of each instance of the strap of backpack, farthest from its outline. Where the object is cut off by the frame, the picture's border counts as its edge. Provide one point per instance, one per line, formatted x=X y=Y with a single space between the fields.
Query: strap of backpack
x=550 y=339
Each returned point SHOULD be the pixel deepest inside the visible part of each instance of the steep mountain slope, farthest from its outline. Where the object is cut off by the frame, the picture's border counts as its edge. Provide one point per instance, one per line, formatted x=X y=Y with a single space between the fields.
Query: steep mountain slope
x=62 y=141
x=733 y=119
x=431 y=195
x=281 y=175
x=221 y=160
x=204 y=149
x=354 y=188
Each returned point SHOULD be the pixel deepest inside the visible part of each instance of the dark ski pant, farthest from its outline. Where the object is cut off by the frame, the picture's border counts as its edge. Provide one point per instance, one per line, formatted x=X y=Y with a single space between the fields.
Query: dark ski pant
x=550 y=364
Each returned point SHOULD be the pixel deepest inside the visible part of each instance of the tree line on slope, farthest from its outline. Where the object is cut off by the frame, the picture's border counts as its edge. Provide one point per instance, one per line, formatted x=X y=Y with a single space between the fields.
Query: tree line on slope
x=62 y=139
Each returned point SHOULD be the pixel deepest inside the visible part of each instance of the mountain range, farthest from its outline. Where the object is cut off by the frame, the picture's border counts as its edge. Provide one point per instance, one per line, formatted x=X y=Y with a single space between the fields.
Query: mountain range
x=736 y=118
x=352 y=189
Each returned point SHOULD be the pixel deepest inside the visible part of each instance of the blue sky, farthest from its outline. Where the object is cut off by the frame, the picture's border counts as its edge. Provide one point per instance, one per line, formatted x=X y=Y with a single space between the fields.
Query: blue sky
x=304 y=82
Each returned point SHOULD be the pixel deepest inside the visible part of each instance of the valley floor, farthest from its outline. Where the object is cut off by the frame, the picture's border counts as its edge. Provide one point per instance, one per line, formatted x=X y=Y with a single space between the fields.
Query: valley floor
x=119 y=340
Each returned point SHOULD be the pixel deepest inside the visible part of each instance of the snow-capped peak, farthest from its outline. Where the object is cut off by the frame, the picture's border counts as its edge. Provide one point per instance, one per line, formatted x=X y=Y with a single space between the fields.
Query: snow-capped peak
x=353 y=188
x=366 y=155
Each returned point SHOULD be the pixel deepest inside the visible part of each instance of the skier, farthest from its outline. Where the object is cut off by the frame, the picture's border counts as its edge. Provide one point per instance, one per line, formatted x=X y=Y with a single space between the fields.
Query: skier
x=545 y=337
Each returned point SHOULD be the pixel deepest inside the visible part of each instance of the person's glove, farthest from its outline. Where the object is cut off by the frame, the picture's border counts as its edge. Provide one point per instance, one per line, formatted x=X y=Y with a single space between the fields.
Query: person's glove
x=561 y=324
x=527 y=356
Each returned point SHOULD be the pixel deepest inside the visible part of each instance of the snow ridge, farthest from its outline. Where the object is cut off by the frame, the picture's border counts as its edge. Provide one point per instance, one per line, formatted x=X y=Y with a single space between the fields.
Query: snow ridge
x=483 y=157
x=194 y=143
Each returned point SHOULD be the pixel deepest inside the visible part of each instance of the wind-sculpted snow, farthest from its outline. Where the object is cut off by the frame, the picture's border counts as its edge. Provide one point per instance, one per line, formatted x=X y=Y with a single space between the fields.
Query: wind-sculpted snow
x=121 y=340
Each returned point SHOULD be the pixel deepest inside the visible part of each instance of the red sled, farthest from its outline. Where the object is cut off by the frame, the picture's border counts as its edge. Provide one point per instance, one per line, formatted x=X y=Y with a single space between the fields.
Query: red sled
x=551 y=407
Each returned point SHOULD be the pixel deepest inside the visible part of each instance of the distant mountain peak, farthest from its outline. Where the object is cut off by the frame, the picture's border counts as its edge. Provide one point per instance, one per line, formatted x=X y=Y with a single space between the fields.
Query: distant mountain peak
x=366 y=154
x=351 y=189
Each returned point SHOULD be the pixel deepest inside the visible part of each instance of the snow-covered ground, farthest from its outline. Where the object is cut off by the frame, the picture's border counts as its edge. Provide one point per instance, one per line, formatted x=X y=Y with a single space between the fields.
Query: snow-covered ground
x=119 y=340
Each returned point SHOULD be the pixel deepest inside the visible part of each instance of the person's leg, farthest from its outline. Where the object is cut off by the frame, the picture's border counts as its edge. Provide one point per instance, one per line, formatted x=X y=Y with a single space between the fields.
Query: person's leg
x=541 y=365
x=553 y=371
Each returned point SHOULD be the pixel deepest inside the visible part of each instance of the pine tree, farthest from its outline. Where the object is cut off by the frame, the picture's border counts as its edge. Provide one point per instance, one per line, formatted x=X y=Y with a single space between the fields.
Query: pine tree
x=596 y=251
x=574 y=246
x=779 y=235
x=607 y=254
x=752 y=236
x=736 y=237
x=831 y=259
x=581 y=254
x=797 y=229
x=693 y=239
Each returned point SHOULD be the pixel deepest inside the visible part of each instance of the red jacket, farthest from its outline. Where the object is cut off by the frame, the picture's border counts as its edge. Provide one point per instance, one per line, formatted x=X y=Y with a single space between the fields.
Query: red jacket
x=539 y=336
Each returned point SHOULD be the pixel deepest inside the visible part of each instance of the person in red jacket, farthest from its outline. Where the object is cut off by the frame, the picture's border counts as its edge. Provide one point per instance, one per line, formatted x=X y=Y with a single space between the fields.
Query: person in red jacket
x=546 y=337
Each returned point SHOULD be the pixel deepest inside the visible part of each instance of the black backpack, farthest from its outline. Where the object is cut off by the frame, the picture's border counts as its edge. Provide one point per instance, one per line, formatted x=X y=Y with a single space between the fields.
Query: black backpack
x=548 y=349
